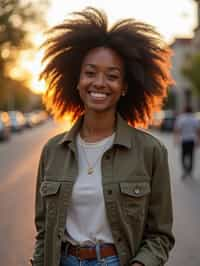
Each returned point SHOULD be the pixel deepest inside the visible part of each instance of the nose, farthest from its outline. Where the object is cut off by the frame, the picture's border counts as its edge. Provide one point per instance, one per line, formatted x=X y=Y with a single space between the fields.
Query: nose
x=99 y=80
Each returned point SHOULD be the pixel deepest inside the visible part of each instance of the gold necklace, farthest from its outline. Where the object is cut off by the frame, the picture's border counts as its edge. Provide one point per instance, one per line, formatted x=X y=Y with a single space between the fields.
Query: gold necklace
x=91 y=167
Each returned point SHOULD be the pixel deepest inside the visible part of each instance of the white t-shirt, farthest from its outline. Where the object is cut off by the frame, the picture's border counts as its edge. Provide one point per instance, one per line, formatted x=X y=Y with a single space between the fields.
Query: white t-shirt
x=188 y=126
x=86 y=217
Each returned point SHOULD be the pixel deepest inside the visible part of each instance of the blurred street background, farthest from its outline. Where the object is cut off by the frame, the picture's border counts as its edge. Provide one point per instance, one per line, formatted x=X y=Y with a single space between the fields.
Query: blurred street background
x=25 y=125
x=18 y=164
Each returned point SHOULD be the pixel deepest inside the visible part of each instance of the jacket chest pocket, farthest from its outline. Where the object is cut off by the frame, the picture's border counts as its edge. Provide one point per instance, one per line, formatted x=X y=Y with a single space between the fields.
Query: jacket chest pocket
x=49 y=190
x=134 y=196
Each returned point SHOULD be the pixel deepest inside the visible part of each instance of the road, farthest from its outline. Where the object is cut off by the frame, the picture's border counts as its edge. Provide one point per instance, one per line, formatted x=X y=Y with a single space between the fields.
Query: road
x=18 y=165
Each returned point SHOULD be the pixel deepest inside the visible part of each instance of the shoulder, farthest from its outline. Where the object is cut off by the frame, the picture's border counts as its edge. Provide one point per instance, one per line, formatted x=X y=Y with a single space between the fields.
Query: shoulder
x=145 y=138
x=54 y=142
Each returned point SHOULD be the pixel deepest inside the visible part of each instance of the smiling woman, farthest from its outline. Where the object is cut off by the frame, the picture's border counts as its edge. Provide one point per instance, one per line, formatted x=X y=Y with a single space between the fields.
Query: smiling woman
x=146 y=71
x=103 y=188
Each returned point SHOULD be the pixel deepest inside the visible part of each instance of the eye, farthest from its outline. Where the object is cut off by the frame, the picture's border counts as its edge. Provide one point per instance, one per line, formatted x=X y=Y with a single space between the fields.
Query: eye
x=89 y=73
x=112 y=77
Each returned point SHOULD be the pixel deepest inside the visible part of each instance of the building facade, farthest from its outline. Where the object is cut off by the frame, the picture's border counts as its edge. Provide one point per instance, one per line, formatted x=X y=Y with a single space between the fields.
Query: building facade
x=183 y=48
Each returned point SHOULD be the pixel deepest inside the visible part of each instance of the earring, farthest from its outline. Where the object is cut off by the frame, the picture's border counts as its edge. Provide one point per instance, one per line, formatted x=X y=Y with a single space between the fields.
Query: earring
x=123 y=92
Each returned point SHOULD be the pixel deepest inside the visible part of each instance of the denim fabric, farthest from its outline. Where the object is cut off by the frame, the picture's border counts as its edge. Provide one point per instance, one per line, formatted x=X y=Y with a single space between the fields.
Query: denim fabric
x=74 y=261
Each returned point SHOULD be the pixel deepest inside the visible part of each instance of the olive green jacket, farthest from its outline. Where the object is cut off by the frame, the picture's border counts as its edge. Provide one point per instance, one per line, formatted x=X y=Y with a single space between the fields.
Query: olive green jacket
x=136 y=186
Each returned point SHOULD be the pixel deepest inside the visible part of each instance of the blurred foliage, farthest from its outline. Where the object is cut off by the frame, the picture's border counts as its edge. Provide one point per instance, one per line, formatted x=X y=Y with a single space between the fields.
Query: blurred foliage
x=18 y=21
x=191 y=70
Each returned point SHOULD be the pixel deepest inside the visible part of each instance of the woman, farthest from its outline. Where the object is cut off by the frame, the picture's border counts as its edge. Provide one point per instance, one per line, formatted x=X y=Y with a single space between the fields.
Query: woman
x=103 y=190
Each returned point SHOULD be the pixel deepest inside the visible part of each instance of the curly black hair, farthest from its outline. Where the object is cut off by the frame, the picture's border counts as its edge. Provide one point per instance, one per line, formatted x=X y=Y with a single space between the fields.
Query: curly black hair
x=145 y=54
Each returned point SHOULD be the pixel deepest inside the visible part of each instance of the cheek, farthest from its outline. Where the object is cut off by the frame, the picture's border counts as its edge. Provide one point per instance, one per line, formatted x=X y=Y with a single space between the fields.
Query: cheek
x=83 y=83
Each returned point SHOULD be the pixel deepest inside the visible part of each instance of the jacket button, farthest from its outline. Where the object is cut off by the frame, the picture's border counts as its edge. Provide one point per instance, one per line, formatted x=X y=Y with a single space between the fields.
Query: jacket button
x=107 y=157
x=119 y=239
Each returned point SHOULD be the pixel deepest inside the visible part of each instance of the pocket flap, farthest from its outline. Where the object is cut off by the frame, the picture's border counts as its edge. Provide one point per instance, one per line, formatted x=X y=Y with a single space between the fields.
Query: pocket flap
x=49 y=188
x=138 y=189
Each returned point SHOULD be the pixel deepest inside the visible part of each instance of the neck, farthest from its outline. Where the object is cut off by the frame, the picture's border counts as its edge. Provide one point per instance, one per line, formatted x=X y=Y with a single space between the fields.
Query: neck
x=97 y=126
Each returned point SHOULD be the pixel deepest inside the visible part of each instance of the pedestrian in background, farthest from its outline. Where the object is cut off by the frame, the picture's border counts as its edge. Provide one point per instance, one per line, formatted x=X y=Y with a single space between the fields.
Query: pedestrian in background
x=103 y=189
x=187 y=134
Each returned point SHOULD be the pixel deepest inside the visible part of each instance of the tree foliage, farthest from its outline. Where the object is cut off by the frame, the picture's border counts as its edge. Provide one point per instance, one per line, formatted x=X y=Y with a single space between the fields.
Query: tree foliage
x=18 y=19
x=191 y=71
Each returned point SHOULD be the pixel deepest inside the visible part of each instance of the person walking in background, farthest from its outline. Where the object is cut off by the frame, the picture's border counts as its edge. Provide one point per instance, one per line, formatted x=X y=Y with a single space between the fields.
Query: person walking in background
x=103 y=192
x=187 y=134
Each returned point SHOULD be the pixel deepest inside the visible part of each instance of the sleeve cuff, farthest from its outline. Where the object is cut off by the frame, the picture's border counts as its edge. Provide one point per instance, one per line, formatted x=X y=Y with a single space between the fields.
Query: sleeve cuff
x=146 y=260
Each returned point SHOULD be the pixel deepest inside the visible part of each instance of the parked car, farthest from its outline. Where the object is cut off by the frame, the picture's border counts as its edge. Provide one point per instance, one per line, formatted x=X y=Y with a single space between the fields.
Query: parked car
x=41 y=115
x=168 y=120
x=5 y=126
x=31 y=119
x=18 y=120
x=35 y=117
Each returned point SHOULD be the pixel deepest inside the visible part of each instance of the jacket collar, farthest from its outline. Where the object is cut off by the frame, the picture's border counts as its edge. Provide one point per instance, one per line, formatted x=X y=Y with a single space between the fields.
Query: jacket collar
x=122 y=137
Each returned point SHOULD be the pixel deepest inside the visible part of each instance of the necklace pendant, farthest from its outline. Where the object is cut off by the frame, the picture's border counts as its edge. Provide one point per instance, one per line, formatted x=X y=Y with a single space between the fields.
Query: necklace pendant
x=90 y=170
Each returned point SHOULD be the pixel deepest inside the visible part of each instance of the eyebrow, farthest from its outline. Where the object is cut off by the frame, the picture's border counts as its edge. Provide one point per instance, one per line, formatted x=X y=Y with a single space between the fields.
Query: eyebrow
x=110 y=68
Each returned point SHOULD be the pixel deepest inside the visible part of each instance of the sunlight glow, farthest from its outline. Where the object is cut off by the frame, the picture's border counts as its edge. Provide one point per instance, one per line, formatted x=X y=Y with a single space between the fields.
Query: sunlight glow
x=34 y=66
x=36 y=85
x=171 y=18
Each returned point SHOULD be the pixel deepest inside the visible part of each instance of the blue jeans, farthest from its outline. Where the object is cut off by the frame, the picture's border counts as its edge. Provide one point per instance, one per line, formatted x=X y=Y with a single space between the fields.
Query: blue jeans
x=69 y=260
x=74 y=261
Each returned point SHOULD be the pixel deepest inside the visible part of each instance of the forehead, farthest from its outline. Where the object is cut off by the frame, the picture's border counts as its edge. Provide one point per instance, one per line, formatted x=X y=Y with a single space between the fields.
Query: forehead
x=103 y=57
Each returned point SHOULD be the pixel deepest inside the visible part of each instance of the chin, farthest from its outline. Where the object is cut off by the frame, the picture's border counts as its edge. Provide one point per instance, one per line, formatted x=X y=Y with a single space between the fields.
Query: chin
x=99 y=109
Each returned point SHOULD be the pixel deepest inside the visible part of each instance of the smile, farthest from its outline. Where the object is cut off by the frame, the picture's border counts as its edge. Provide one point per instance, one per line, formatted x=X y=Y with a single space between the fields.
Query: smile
x=98 y=95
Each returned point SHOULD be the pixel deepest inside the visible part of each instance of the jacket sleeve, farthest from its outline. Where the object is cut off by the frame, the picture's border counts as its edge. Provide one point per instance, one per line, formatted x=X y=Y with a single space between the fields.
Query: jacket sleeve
x=38 y=254
x=158 y=239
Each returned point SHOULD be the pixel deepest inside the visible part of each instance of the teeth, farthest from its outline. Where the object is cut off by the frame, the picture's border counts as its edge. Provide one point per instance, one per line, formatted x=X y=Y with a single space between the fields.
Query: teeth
x=98 y=94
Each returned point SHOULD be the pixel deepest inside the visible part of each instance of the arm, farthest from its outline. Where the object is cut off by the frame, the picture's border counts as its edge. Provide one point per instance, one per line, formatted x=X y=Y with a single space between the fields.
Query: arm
x=38 y=255
x=158 y=238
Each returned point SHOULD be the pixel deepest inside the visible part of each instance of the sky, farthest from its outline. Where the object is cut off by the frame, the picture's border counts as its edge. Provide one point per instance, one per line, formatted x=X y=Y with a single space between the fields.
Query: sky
x=171 y=18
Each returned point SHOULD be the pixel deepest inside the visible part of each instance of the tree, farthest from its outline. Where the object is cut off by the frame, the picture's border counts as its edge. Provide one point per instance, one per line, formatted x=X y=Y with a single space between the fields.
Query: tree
x=191 y=71
x=18 y=19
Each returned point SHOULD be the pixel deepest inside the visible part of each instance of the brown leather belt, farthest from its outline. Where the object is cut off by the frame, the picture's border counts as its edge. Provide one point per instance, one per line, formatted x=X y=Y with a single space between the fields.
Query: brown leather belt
x=88 y=253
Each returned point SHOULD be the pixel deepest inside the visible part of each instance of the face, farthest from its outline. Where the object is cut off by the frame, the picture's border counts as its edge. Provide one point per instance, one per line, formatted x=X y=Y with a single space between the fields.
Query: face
x=101 y=81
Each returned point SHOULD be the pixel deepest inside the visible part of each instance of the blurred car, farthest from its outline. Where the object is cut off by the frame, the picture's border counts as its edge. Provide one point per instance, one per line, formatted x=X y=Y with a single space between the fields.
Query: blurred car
x=5 y=126
x=41 y=115
x=18 y=120
x=35 y=117
x=168 y=120
x=31 y=119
